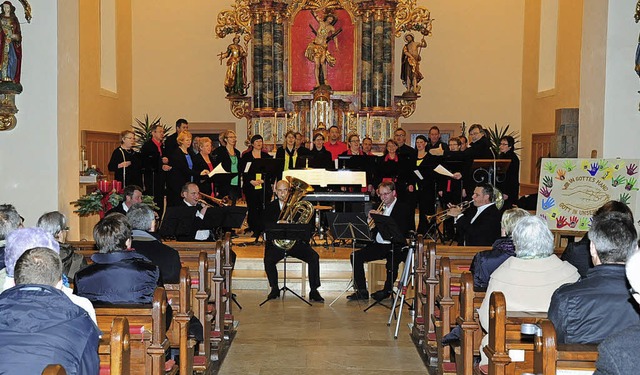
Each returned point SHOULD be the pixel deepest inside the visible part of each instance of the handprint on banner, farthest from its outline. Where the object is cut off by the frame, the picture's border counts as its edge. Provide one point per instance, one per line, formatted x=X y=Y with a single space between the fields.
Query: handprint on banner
x=546 y=192
x=619 y=180
x=573 y=221
x=548 y=203
x=554 y=213
x=594 y=169
x=584 y=223
x=543 y=217
x=569 y=165
x=550 y=167
x=603 y=164
x=631 y=184
x=561 y=173
x=585 y=165
x=618 y=165
x=607 y=173
x=547 y=181
x=561 y=222
x=632 y=169
x=625 y=198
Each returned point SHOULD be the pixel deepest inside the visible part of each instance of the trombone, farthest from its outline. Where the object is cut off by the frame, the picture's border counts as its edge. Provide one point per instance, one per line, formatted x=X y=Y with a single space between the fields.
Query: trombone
x=381 y=209
x=442 y=215
x=224 y=202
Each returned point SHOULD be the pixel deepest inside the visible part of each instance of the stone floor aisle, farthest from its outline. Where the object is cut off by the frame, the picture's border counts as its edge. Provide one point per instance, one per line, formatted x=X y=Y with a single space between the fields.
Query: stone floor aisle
x=289 y=337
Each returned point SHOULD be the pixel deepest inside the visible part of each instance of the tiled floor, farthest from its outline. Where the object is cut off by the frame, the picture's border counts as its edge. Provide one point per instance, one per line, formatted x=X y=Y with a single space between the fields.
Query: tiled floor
x=289 y=337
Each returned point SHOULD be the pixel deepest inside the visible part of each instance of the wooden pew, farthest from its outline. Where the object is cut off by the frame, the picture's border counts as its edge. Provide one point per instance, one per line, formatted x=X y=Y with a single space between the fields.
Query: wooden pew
x=470 y=301
x=179 y=296
x=505 y=336
x=114 y=348
x=549 y=356
x=148 y=333
x=229 y=328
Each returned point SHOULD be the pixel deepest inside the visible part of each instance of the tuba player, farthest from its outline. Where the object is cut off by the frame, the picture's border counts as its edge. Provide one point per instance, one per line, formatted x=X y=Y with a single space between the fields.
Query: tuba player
x=301 y=250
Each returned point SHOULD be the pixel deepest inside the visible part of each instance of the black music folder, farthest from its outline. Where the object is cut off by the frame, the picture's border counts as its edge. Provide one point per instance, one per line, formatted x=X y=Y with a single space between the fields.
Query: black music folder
x=388 y=229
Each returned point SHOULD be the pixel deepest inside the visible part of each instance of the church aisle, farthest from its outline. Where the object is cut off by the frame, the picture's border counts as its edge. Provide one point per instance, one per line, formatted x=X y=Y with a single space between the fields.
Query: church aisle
x=292 y=338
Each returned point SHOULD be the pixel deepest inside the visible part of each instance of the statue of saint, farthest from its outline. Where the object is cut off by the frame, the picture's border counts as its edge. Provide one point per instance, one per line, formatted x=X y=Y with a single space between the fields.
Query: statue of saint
x=318 y=49
x=410 y=70
x=235 y=81
x=10 y=44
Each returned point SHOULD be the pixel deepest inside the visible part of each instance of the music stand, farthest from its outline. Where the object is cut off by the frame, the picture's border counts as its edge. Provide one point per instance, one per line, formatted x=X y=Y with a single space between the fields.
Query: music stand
x=268 y=168
x=352 y=226
x=389 y=230
x=298 y=232
x=492 y=167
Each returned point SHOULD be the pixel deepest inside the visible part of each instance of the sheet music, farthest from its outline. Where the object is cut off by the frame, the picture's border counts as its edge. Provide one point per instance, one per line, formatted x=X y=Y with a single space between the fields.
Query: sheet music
x=246 y=169
x=322 y=177
x=417 y=172
x=217 y=170
x=443 y=171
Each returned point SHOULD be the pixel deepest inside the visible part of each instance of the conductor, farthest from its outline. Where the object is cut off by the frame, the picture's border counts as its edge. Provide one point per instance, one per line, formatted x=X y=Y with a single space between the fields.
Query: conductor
x=380 y=248
x=301 y=249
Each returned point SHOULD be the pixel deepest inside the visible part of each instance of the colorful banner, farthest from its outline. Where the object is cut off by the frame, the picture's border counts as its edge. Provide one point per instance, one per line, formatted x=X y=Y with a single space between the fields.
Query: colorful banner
x=571 y=190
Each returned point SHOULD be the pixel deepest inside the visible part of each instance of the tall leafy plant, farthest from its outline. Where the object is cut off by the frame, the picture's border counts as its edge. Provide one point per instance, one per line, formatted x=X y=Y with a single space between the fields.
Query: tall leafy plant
x=142 y=129
x=496 y=133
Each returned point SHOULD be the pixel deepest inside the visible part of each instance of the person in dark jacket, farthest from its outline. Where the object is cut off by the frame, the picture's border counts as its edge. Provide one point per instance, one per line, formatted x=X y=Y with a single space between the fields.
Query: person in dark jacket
x=143 y=241
x=579 y=253
x=171 y=143
x=155 y=164
x=480 y=224
x=117 y=275
x=618 y=353
x=55 y=223
x=256 y=186
x=598 y=305
x=132 y=195
x=39 y=325
x=125 y=161
x=485 y=262
x=319 y=157
x=510 y=186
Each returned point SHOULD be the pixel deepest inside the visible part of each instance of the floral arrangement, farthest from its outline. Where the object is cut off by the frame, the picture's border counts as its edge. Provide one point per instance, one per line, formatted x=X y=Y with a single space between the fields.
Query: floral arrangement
x=108 y=195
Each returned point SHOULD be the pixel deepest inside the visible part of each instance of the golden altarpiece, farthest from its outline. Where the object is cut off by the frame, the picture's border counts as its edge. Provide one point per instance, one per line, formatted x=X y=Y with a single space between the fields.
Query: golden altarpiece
x=319 y=63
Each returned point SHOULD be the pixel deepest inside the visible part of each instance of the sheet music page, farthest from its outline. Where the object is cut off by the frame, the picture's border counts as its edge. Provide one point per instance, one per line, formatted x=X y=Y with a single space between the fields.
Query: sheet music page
x=443 y=171
x=417 y=172
x=246 y=169
x=217 y=170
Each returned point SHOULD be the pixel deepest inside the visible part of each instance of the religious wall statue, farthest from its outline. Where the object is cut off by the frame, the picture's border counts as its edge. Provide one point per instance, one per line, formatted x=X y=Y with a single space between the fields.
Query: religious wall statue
x=10 y=44
x=235 y=81
x=318 y=49
x=410 y=70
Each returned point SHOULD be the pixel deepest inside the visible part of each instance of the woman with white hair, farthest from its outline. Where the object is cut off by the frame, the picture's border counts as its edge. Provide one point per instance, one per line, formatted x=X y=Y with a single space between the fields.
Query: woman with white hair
x=529 y=279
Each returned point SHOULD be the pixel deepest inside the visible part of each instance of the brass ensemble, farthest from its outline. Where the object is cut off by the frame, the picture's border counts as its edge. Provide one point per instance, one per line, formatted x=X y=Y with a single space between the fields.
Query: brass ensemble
x=224 y=202
x=295 y=210
x=442 y=215
x=381 y=208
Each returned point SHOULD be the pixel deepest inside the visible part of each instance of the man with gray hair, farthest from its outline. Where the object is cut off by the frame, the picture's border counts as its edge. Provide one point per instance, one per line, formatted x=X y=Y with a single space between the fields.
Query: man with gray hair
x=9 y=221
x=602 y=296
x=55 y=223
x=618 y=353
x=529 y=279
x=143 y=222
x=58 y=331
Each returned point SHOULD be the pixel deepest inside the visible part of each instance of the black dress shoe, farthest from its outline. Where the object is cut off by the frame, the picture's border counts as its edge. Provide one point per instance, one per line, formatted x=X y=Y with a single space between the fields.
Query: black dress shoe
x=315 y=296
x=275 y=294
x=358 y=296
x=381 y=294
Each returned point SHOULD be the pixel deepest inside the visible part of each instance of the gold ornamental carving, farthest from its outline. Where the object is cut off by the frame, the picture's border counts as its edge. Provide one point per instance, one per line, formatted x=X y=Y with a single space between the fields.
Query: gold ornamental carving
x=296 y=6
x=411 y=17
x=235 y=21
x=239 y=107
x=406 y=107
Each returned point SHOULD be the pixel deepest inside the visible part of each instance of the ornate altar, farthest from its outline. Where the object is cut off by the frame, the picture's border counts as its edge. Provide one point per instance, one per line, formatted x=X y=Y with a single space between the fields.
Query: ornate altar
x=316 y=63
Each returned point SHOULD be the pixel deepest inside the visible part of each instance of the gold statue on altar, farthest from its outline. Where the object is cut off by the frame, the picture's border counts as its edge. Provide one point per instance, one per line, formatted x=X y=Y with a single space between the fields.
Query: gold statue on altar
x=318 y=49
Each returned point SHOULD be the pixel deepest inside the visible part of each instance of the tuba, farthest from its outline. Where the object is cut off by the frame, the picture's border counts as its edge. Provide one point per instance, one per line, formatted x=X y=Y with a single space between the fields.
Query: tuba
x=498 y=198
x=295 y=211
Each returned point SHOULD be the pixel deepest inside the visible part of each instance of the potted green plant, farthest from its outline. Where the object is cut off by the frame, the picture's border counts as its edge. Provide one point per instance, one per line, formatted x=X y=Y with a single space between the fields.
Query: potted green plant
x=142 y=129
x=496 y=134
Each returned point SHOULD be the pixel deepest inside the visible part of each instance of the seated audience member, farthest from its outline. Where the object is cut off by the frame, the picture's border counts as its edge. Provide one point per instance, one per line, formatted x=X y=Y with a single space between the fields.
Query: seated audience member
x=9 y=221
x=39 y=325
x=598 y=305
x=382 y=249
x=117 y=275
x=132 y=195
x=55 y=223
x=143 y=222
x=579 y=253
x=529 y=279
x=479 y=225
x=301 y=249
x=23 y=239
x=485 y=262
x=618 y=353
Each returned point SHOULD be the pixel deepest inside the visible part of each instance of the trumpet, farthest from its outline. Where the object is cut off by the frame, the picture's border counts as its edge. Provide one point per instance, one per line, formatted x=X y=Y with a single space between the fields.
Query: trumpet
x=380 y=208
x=224 y=202
x=441 y=216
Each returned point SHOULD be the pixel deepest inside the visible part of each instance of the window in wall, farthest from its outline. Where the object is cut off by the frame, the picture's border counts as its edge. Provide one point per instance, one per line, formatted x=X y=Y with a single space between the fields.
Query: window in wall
x=108 y=75
x=548 y=45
